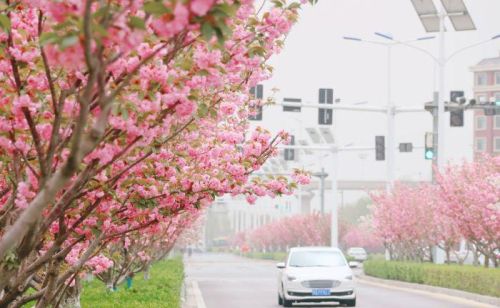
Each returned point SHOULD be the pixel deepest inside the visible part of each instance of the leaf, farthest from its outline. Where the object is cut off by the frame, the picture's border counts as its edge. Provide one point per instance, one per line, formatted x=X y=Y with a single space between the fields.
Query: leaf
x=48 y=38
x=202 y=110
x=228 y=9
x=203 y=73
x=137 y=23
x=5 y=22
x=155 y=8
x=277 y=3
x=207 y=31
x=124 y=113
x=256 y=50
x=220 y=36
x=213 y=113
x=68 y=41
x=294 y=5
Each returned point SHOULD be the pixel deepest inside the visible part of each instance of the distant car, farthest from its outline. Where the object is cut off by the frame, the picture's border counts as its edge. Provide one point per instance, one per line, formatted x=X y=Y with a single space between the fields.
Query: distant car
x=357 y=253
x=314 y=275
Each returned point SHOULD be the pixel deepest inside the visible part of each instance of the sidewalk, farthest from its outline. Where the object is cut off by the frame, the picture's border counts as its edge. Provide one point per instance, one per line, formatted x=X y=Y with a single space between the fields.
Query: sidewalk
x=487 y=301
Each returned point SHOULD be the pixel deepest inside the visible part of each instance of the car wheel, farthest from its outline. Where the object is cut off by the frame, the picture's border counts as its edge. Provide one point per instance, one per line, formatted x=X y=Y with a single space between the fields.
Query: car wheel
x=280 y=300
x=350 y=303
x=287 y=303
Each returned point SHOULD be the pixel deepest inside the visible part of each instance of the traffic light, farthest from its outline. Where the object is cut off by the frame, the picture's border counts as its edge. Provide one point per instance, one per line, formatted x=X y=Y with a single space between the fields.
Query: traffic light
x=492 y=108
x=406 y=147
x=457 y=117
x=379 y=147
x=457 y=112
x=325 y=116
x=258 y=93
x=290 y=108
x=429 y=146
x=290 y=153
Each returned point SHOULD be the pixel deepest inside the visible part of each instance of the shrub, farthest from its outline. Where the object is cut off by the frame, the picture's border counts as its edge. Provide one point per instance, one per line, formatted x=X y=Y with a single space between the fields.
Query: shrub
x=277 y=256
x=478 y=280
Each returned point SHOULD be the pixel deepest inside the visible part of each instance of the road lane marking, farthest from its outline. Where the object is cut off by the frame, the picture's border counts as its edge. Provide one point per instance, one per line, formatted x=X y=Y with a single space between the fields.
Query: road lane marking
x=445 y=297
x=200 y=303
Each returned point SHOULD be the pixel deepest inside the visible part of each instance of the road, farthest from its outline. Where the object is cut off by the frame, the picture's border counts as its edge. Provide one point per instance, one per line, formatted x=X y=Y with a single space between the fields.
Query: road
x=228 y=281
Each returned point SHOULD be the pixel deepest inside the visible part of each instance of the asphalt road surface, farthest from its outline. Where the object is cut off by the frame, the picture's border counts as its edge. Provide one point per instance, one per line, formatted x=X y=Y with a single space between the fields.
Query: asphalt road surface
x=228 y=281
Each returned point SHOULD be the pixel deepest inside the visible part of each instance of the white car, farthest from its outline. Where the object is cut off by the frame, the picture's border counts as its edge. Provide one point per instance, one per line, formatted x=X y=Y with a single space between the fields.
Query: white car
x=358 y=253
x=315 y=274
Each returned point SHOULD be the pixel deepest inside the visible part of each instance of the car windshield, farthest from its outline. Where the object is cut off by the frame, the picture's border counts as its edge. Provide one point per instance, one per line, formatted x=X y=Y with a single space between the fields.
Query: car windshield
x=316 y=258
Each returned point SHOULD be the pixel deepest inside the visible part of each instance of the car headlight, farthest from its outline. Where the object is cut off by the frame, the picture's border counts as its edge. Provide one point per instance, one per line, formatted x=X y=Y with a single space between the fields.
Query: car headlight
x=291 y=278
x=349 y=277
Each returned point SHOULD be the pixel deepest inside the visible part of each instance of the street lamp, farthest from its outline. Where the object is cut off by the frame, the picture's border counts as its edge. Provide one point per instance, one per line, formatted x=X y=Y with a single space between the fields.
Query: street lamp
x=391 y=142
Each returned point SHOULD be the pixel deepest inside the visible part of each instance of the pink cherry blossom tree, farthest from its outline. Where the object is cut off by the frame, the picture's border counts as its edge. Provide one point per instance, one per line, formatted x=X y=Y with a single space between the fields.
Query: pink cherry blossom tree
x=405 y=222
x=362 y=235
x=297 y=230
x=471 y=193
x=118 y=116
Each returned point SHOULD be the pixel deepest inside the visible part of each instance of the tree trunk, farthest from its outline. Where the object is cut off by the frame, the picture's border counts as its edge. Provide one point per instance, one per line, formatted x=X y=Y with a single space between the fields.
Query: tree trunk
x=71 y=297
x=475 y=255
x=486 y=261
x=146 y=271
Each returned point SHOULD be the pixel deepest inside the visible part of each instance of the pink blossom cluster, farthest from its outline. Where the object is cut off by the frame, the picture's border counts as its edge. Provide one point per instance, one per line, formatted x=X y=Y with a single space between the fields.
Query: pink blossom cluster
x=99 y=264
x=361 y=235
x=297 y=230
x=463 y=205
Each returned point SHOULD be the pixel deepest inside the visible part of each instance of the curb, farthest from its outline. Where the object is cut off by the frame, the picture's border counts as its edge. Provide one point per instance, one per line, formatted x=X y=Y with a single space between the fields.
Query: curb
x=450 y=294
x=191 y=296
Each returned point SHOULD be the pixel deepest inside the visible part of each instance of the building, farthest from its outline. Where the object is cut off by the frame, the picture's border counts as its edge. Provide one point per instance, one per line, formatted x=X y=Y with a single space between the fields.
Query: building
x=486 y=89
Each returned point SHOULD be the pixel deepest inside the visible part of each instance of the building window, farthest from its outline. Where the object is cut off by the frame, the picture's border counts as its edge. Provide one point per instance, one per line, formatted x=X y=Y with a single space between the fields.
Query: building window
x=497 y=77
x=480 y=145
x=497 y=97
x=481 y=99
x=481 y=79
x=480 y=122
x=497 y=122
x=497 y=144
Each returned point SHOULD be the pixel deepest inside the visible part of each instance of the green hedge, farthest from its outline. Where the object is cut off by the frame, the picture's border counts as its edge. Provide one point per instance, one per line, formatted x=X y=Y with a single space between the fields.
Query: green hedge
x=468 y=278
x=163 y=289
x=277 y=256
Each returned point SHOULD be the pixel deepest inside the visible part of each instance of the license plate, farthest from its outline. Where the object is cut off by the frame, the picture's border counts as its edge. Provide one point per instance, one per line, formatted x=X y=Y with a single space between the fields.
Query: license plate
x=321 y=292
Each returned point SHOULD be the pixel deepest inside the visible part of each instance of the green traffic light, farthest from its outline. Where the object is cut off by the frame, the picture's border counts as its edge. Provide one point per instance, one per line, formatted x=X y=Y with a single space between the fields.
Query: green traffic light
x=429 y=154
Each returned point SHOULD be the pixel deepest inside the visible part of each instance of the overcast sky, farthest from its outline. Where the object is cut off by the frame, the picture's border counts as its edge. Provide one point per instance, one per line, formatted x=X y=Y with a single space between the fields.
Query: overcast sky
x=315 y=55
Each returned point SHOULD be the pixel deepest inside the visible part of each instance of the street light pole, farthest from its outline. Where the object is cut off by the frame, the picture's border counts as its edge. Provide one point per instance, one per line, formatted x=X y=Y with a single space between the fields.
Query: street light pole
x=391 y=138
x=440 y=115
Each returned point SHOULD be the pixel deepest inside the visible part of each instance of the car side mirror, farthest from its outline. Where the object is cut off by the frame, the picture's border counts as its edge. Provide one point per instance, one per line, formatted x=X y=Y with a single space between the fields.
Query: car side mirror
x=353 y=264
x=281 y=265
